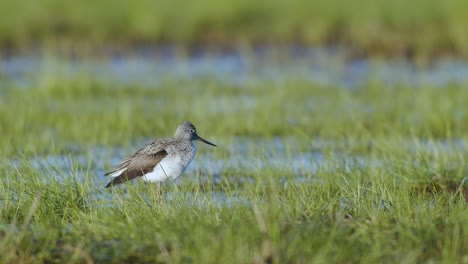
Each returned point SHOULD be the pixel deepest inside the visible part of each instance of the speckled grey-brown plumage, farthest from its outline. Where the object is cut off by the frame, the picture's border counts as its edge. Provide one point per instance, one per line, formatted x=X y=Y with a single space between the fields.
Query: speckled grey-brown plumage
x=144 y=161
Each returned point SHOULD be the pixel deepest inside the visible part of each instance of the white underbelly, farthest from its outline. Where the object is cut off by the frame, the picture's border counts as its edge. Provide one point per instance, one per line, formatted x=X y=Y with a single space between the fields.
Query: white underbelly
x=168 y=169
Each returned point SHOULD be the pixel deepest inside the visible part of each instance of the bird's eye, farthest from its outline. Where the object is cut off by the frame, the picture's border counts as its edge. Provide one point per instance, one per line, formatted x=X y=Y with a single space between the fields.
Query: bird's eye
x=192 y=130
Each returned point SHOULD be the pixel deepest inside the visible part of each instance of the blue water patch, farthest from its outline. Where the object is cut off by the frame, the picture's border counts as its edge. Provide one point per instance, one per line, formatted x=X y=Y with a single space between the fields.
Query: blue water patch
x=289 y=155
x=296 y=161
x=315 y=65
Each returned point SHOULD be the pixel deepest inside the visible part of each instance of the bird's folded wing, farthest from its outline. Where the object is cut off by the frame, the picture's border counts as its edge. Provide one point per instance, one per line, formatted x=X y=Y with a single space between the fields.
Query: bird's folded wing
x=135 y=166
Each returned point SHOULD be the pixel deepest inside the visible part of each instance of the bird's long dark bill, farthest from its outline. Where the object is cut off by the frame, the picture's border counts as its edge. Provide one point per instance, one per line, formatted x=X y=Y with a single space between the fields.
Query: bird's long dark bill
x=205 y=141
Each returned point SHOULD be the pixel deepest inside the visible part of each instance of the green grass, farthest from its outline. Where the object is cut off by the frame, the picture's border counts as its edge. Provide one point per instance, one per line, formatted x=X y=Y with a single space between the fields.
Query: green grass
x=410 y=208
x=368 y=27
x=89 y=112
x=293 y=223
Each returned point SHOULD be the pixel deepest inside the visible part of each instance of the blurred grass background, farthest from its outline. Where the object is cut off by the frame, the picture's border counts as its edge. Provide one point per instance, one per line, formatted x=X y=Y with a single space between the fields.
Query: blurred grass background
x=420 y=28
x=62 y=112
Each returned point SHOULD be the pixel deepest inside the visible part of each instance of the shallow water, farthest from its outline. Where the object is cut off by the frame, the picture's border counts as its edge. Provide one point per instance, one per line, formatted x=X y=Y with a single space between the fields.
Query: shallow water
x=317 y=65
x=240 y=161
x=249 y=155
x=301 y=159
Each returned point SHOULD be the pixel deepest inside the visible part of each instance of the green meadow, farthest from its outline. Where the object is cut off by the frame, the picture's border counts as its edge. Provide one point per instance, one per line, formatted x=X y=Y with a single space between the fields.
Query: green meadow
x=306 y=170
x=409 y=206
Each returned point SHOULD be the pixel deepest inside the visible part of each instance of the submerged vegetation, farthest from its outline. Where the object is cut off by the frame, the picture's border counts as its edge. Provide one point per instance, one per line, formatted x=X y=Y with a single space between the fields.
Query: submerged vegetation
x=385 y=178
x=420 y=28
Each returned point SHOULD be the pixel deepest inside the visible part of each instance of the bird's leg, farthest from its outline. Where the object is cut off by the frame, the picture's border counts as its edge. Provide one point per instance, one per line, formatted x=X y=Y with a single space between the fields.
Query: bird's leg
x=158 y=192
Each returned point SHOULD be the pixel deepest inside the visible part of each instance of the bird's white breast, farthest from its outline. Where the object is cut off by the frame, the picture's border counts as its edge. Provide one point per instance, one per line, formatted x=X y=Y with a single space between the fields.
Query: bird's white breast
x=172 y=166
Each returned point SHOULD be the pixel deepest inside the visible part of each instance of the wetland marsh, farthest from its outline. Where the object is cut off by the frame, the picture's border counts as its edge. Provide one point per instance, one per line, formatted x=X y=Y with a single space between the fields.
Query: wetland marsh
x=307 y=170
x=342 y=131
